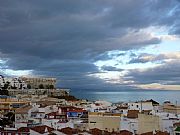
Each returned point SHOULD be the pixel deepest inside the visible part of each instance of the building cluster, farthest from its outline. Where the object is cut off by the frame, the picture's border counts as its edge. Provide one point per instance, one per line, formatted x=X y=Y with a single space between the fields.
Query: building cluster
x=39 y=82
x=43 y=115
x=12 y=83
x=27 y=83
x=40 y=111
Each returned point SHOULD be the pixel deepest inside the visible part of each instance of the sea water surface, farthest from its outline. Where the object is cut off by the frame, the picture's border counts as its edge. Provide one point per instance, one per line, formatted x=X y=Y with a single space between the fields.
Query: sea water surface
x=128 y=95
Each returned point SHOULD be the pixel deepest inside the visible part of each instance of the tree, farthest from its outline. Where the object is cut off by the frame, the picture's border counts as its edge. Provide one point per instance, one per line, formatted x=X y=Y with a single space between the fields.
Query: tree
x=21 y=86
x=66 y=93
x=47 y=86
x=45 y=92
x=28 y=86
x=6 y=85
x=51 y=86
x=41 y=86
x=4 y=92
x=11 y=116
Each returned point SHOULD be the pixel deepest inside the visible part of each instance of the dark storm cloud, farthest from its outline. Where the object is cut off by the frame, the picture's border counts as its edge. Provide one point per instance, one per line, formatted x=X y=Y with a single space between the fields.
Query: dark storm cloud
x=168 y=73
x=70 y=74
x=64 y=37
x=75 y=75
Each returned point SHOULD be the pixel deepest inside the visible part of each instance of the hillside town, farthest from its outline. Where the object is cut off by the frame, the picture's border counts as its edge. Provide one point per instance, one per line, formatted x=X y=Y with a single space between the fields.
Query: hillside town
x=34 y=106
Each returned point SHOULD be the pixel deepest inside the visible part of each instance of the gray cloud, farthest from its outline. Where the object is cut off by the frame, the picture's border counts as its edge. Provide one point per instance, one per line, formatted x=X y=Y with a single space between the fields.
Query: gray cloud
x=64 y=38
x=168 y=73
x=144 y=58
x=160 y=58
x=110 y=68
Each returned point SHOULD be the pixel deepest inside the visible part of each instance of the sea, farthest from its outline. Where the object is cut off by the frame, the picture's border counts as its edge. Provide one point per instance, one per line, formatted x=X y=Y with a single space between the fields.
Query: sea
x=129 y=95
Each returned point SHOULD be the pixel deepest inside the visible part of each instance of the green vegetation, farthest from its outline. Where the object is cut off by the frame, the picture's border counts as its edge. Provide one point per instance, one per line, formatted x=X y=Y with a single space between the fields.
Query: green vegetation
x=8 y=120
x=4 y=92
x=28 y=86
x=41 y=86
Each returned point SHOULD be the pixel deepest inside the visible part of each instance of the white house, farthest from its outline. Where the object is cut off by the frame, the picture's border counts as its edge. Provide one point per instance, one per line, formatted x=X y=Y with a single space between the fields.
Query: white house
x=12 y=83
x=142 y=106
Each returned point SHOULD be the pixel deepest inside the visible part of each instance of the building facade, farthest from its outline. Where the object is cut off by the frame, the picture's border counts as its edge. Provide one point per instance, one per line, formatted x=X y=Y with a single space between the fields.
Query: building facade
x=171 y=108
x=12 y=83
x=39 y=82
x=104 y=121
x=148 y=123
x=10 y=104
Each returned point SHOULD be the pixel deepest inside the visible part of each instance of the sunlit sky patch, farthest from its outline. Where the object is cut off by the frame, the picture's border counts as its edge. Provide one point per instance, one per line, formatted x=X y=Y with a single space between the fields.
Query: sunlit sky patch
x=122 y=61
x=10 y=72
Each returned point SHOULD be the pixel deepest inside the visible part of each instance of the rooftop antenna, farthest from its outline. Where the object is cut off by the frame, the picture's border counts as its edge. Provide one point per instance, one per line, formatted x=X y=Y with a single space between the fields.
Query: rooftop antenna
x=176 y=108
x=141 y=106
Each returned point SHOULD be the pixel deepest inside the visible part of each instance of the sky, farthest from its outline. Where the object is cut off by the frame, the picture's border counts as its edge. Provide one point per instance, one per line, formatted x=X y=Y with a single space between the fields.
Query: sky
x=93 y=44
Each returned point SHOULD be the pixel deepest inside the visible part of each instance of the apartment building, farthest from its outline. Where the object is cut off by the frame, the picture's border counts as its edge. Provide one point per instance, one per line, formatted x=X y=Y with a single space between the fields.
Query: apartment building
x=12 y=83
x=8 y=104
x=104 y=121
x=40 y=82
x=171 y=108
x=148 y=123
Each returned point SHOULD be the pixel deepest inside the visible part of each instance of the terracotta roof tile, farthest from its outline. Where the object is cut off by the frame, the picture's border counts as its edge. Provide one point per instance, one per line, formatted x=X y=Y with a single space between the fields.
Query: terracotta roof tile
x=162 y=133
x=23 y=109
x=95 y=131
x=125 y=132
x=46 y=103
x=42 y=129
x=147 y=133
x=68 y=131
x=157 y=133
x=24 y=129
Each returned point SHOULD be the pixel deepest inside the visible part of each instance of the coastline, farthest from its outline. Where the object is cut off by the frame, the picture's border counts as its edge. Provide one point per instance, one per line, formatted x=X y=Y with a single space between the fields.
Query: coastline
x=128 y=95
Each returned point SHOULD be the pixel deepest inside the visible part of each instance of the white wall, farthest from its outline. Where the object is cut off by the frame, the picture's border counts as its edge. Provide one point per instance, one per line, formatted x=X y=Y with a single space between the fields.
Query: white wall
x=129 y=124
x=140 y=105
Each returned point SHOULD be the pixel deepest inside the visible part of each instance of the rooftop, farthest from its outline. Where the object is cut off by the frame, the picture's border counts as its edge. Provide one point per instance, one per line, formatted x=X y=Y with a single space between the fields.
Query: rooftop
x=23 y=109
x=42 y=129
x=132 y=114
x=103 y=114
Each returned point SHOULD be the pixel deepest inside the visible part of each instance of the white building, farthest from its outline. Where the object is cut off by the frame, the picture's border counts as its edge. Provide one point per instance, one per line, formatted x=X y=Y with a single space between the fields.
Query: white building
x=12 y=83
x=152 y=106
x=141 y=105
x=129 y=124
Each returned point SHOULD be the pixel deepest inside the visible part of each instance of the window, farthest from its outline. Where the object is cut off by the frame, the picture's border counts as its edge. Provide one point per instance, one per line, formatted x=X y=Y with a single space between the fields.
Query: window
x=33 y=115
x=92 y=122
